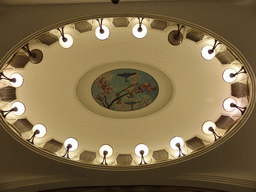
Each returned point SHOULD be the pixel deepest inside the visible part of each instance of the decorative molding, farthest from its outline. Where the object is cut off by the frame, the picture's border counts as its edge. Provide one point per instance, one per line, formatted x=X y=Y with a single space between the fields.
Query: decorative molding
x=33 y=181
x=217 y=179
x=135 y=188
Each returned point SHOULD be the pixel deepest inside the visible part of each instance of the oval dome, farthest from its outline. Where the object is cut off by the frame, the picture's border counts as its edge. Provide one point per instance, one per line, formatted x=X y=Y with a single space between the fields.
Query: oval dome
x=162 y=86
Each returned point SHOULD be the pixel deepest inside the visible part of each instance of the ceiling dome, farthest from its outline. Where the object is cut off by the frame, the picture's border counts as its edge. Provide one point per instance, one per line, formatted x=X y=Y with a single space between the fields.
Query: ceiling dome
x=163 y=90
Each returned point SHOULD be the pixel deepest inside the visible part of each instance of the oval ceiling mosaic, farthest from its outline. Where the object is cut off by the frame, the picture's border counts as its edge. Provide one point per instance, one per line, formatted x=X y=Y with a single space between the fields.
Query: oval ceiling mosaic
x=124 y=89
x=124 y=92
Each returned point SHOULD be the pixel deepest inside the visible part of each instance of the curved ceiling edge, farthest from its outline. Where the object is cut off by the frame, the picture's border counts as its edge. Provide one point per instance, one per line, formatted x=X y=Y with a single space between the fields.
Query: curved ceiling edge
x=148 y=166
x=48 y=181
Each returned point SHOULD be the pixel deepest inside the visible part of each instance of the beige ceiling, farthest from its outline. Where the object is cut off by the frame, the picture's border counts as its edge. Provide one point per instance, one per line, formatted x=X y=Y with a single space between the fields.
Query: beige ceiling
x=50 y=90
x=227 y=164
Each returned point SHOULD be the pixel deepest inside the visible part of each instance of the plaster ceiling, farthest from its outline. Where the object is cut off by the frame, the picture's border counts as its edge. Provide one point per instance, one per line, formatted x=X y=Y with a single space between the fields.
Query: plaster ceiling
x=192 y=90
x=110 y=60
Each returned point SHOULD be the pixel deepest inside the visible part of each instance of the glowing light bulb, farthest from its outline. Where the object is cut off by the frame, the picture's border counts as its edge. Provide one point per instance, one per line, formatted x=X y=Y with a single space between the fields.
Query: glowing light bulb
x=227 y=104
x=176 y=140
x=139 y=32
x=227 y=75
x=20 y=108
x=207 y=52
x=102 y=32
x=66 y=42
x=71 y=141
x=41 y=128
x=107 y=148
x=18 y=80
x=207 y=125
x=141 y=147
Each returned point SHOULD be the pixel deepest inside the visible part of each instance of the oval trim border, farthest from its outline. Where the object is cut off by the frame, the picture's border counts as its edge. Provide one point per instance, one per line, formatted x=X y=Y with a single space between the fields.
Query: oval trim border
x=160 y=103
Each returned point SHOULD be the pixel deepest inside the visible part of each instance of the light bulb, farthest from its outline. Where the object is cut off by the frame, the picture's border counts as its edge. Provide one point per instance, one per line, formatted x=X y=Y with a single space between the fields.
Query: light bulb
x=73 y=142
x=226 y=75
x=139 y=32
x=102 y=32
x=41 y=128
x=207 y=125
x=226 y=104
x=141 y=147
x=206 y=52
x=18 y=80
x=20 y=108
x=107 y=148
x=174 y=141
x=66 y=42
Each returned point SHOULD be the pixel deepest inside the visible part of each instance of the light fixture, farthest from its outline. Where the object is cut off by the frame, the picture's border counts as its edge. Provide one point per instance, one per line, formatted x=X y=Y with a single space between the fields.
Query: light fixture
x=177 y=143
x=209 y=128
x=115 y=1
x=102 y=31
x=18 y=80
x=139 y=30
x=141 y=150
x=35 y=56
x=175 y=37
x=208 y=52
x=229 y=75
x=15 y=79
x=17 y=108
x=65 y=40
x=70 y=144
x=229 y=105
x=39 y=130
x=105 y=151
